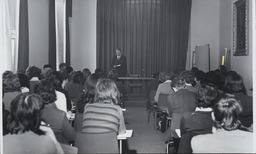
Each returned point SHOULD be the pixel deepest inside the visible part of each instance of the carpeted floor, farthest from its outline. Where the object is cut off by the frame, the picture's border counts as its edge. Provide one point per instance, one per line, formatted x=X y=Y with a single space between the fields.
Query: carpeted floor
x=145 y=139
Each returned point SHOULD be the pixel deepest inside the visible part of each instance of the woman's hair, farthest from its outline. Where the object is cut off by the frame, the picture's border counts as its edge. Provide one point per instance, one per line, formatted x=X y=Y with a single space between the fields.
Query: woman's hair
x=77 y=77
x=189 y=76
x=6 y=73
x=106 y=91
x=113 y=74
x=46 y=90
x=25 y=114
x=24 y=80
x=11 y=83
x=55 y=78
x=206 y=96
x=90 y=86
x=226 y=112
x=86 y=72
x=234 y=84
x=33 y=71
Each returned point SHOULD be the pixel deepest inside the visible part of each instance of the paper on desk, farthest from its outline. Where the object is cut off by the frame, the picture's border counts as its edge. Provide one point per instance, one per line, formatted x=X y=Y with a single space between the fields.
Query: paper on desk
x=128 y=133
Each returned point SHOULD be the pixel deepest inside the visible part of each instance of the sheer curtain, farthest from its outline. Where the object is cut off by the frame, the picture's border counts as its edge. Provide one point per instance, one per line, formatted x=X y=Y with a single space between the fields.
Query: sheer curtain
x=152 y=33
x=9 y=39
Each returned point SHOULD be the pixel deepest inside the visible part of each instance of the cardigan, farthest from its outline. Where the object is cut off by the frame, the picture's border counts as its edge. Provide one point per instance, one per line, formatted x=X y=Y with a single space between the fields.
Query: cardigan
x=103 y=118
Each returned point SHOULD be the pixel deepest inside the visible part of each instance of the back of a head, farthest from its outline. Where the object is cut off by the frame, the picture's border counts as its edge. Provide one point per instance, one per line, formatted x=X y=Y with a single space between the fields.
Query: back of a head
x=156 y=75
x=69 y=69
x=77 y=77
x=107 y=92
x=189 y=76
x=24 y=80
x=167 y=76
x=47 y=66
x=11 y=83
x=62 y=66
x=4 y=75
x=91 y=83
x=206 y=96
x=113 y=74
x=226 y=112
x=25 y=114
x=86 y=72
x=46 y=90
x=234 y=84
x=33 y=71
x=178 y=82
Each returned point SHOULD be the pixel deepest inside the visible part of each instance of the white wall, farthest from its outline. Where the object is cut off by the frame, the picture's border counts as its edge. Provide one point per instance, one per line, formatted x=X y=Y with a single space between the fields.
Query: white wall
x=240 y=64
x=83 y=34
x=38 y=14
x=205 y=27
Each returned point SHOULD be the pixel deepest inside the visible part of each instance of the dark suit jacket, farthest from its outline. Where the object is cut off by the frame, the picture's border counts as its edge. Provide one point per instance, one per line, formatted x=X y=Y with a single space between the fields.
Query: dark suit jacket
x=179 y=103
x=122 y=70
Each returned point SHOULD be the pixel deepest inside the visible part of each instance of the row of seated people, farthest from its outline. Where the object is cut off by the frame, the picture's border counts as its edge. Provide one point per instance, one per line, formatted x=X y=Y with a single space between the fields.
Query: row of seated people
x=99 y=96
x=190 y=107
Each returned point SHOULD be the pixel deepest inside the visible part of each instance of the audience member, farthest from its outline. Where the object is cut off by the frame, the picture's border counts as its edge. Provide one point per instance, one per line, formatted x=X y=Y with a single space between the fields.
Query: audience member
x=100 y=72
x=200 y=121
x=189 y=77
x=47 y=66
x=86 y=72
x=87 y=97
x=234 y=85
x=11 y=89
x=65 y=77
x=75 y=86
x=104 y=115
x=25 y=134
x=227 y=138
x=69 y=69
x=165 y=87
x=62 y=66
x=24 y=82
x=63 y=102
x=179 y=103
x=56 y=118
x=33 y=74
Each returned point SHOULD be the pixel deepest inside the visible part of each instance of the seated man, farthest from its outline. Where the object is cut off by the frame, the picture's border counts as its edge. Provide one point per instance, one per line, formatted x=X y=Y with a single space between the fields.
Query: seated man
x=200 y=121
x=165 y=87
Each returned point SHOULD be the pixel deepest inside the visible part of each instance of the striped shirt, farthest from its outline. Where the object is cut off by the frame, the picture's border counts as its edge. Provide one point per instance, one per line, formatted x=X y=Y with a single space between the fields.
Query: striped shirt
x=103 y=118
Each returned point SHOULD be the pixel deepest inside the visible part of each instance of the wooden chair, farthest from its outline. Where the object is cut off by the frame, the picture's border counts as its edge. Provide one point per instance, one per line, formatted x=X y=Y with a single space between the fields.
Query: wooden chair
x=96 y=142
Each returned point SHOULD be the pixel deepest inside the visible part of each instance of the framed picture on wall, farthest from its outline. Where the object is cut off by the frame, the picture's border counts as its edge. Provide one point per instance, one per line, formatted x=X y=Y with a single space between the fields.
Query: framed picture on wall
x=240 y=28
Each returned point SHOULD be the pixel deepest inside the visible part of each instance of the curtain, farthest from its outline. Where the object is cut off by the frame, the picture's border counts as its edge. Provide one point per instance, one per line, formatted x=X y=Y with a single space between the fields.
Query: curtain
x=153 y=34
x=23 y=48
x=52 y=35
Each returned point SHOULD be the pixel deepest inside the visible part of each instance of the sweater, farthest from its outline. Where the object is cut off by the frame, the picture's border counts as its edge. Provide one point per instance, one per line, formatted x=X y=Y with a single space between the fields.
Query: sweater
x=103 y=118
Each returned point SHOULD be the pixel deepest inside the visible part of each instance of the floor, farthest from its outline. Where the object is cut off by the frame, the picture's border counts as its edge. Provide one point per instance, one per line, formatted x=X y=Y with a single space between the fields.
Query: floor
x=145 y=139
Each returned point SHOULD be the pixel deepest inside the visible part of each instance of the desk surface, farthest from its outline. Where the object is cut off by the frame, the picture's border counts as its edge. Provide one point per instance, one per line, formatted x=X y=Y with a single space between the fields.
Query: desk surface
x=136 y=78
x=125 y=135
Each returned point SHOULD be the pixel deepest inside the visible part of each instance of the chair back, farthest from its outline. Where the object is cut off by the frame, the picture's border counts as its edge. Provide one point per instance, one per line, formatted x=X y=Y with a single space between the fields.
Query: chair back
x=96 y=142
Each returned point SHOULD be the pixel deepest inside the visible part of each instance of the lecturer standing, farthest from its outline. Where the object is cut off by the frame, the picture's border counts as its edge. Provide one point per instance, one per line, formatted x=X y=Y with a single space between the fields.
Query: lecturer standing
x=119 y=63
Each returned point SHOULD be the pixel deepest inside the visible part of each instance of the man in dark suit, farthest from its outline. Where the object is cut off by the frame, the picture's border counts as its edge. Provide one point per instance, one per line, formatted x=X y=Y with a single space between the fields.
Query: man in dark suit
x=119 y=63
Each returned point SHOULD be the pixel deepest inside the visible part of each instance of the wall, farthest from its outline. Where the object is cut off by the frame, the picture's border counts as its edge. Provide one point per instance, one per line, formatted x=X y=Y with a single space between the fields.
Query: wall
x=205 y=27
x=83 y=34
x=38 y=12
x=240 y=64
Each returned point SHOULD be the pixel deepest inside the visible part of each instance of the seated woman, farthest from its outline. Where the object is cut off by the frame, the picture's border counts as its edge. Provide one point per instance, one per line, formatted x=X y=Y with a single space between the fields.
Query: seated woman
x=227 y=138
x=234 y=85
x=86 y=97
x=56 y=118
x=200 y=121
x=104 y=115
x=25 y=136
x=11 y=88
